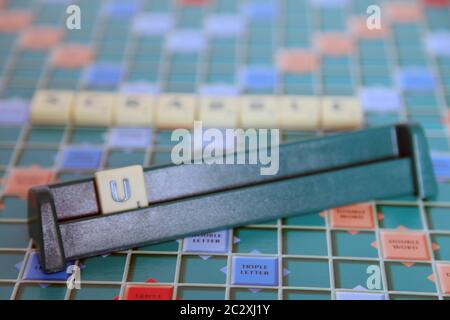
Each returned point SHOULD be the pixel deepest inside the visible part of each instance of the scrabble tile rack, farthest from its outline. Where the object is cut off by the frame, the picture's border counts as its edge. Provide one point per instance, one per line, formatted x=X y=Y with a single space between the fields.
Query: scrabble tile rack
x=324 y=258
x=74 y=220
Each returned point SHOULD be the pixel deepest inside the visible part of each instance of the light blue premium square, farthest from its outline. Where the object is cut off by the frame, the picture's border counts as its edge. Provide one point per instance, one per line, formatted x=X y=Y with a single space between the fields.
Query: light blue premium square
x=255 y=271
x=348 y=295
x=81 y=158
x=130 y=138
x=208 y=242
x=33 y=271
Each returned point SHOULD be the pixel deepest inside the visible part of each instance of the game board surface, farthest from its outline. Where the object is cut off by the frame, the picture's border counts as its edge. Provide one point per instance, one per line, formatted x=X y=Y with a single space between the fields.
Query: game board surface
x=229 y=47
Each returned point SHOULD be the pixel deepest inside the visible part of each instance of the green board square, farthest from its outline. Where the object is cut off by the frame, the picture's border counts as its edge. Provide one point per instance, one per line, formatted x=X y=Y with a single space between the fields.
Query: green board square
x=6 y=290
x=336 y=61
x=412 y=278
x=42 y=157
x=8 y=262
x=396 y=216
x=337 y=90
x=96 y=292
x=145 y=66
x=164 y=139
x=143 y=76
x=306 y=295
x=146 y=63
x=438 y=144
x=268 y=223
x=14 y=208
x=108 y=268
x=292 y=87
x=414 y=100
x=375 y=67
x=180 y=87
x=429 y=122
x=45 y=135
x=381 y=119
x=9 y=134
x=185 y=77
x=262 y=59
x=438 y=218
x=80 y=36
x=346 y=244
x=66 y=176
x=5 y=156
x=36 y=292
x=412 y=62
x=443 y=193
x=259 y=91
x=309 y=220
x=189 y=293
x=14 y=235
x=147 y=60
x=443 y=241
x=376 y=80
x=196 y=269
x=63 y=74
x=111 y=57
x=220 y=78
x=35 y=56
x=291 y=136
x=305 y=242
x=125 y=158
x=185 y=59
x=222 y=64
x=351 y=274
x=307 y=273
x=158 y=267
x=158 y=5
x=191 y=24
x=170 y=246
x=295 y=79
x=161 y=158
x=13 y=92
x=332 y=81
x=402 y=199
x=88 y=135
x=411 y=297
x=246 y=294
x=262 y=240
x=63 y=85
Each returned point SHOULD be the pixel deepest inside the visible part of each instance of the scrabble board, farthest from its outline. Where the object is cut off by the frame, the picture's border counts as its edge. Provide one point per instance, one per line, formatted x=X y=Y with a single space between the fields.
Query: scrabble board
x=389 y=249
